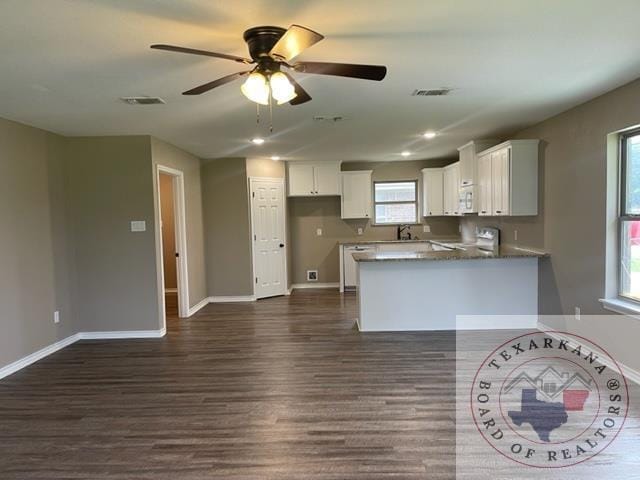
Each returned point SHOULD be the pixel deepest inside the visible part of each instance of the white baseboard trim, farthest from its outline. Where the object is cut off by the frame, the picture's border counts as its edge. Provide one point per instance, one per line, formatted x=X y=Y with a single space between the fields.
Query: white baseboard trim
x=35 y=356
x=198 y=306
x=123 y=334
x=170 y=290
x=496 y=322
x=232 y=298
x=629 y=373
x=299 y=286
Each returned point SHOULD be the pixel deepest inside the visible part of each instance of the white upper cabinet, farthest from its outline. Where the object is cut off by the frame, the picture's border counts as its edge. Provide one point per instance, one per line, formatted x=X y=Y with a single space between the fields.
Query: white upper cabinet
x=313 y=179
x=451 y=189
x=356 y=194
x=469 y=160
x=432 y=192
x=484 y=185
x=508 y=179
x=301 y=180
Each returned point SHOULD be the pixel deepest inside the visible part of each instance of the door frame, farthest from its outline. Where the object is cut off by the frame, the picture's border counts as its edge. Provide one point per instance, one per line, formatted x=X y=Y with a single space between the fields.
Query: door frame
x=280 y=181
x=179 y=209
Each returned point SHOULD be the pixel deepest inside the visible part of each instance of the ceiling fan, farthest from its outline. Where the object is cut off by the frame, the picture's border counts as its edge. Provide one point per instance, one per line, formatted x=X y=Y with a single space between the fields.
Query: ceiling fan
x=271 y=49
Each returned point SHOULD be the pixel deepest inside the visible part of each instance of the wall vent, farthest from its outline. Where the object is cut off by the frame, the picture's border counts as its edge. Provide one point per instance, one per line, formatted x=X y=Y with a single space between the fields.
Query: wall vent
x=312 y=275
x=435 y=92
x=143 y=100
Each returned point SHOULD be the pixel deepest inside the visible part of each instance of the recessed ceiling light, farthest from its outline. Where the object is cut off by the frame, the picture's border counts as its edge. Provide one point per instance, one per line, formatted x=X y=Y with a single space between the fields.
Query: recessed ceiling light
x=406 y=153
x=257 y=141
x=275 y=158
x=429 y=135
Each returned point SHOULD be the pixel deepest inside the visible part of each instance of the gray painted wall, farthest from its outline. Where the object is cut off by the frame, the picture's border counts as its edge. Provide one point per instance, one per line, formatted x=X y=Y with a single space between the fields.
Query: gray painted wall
x=36 y=274
x=227 y=227
x=109 y=183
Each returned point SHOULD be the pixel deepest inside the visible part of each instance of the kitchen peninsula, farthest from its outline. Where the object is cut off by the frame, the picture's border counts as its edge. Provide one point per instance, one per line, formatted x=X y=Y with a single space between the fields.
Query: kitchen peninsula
x=428 y=289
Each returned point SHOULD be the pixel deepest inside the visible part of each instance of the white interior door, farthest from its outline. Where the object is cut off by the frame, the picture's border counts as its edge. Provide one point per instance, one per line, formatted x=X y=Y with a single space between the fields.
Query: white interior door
x=269 y=258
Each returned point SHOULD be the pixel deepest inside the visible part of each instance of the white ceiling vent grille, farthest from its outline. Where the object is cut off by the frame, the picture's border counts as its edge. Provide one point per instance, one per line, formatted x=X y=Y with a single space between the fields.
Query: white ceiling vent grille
x=143 y=100
x=435 y=92
x=328 y=118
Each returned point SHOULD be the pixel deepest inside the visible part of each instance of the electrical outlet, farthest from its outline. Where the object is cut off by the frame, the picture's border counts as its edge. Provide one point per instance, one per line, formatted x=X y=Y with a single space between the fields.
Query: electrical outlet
x=360 y=230
x=515 y=235
x=56 y=317
x=426 y=229
x=459 y=228
x=319 y=232
x=577 y=313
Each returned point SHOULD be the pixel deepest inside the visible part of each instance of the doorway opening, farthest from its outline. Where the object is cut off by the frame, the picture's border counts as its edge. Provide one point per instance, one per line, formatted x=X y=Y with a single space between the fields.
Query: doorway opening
x=173 y=243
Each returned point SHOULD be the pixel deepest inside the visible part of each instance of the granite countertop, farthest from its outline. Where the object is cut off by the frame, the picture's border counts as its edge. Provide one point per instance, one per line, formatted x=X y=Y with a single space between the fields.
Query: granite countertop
x=376 y=242
x=469 y=253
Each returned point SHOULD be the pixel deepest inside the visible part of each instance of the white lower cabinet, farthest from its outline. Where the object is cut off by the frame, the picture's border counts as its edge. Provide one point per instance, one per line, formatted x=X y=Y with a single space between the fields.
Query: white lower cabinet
x=356 y=194
x=350 y=266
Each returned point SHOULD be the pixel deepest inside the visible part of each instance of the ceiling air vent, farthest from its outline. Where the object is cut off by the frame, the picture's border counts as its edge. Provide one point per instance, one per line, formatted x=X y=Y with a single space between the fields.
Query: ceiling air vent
x=435 y=92
x=143 y=100
x=328 y=118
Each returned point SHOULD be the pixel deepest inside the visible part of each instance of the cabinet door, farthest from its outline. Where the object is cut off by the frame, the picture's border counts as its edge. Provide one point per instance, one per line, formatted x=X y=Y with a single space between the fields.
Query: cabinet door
x=484 y=185
x=356 y=195
x=301 y=180
x=433 y=198
x=327 y=179
x=446 y=193
x=467 y=166
x=349 y=267
x=505 y=181
x=455 y=189
x=500 y=182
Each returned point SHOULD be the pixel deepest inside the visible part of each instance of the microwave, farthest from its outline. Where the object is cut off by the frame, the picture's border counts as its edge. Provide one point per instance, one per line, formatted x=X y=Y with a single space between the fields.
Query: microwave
x=468 y=199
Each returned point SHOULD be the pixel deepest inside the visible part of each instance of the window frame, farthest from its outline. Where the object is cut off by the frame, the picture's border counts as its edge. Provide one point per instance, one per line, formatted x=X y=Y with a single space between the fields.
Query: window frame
x=624 y=216
x=415 y=201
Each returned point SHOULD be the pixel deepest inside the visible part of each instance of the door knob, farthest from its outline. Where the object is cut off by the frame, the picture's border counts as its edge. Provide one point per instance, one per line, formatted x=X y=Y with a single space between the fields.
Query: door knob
x=282 y=245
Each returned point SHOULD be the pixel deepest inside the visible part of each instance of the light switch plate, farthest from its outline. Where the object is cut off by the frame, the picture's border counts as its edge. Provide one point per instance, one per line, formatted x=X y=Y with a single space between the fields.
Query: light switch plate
x=360 y=231
x=319 y=232
x=138 y=226
x=56 y=317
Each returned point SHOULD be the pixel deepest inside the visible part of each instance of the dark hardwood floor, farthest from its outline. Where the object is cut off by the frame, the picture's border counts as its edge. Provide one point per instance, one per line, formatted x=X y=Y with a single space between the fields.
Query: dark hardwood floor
x=283 y=388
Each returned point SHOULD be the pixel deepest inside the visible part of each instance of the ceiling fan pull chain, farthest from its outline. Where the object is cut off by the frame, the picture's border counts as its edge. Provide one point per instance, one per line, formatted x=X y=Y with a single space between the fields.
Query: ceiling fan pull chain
x=270 y=115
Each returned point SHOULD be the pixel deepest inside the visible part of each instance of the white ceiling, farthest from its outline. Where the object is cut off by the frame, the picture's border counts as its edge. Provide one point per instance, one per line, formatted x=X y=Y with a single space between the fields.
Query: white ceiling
x=65 y=63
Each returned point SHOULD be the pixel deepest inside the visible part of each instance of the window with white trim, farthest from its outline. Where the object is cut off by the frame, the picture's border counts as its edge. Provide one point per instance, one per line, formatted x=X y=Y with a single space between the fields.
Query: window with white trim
x=395 y=202
x=629 y=218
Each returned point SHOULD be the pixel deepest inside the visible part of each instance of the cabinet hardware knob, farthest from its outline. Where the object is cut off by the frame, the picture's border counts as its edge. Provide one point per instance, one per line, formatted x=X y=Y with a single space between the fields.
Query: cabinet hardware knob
x=498 y=211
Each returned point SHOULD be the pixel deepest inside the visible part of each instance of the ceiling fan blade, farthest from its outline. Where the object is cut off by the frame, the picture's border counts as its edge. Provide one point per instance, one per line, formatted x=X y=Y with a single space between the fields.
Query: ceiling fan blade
x=294 y=41
x=216 y=83
x=301 y=94
x=193 y=51
x=367 y=72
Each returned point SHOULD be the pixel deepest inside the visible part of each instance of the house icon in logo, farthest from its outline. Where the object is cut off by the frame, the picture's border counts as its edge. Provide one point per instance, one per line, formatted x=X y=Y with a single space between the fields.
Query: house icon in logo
x=549 y=383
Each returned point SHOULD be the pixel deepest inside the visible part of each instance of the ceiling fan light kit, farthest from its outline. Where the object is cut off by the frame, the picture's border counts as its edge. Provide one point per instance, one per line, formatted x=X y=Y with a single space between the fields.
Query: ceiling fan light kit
x=271 y=49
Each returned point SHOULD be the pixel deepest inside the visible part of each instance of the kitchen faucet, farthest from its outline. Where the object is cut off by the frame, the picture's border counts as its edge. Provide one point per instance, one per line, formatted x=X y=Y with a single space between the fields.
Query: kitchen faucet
x=402 y=228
